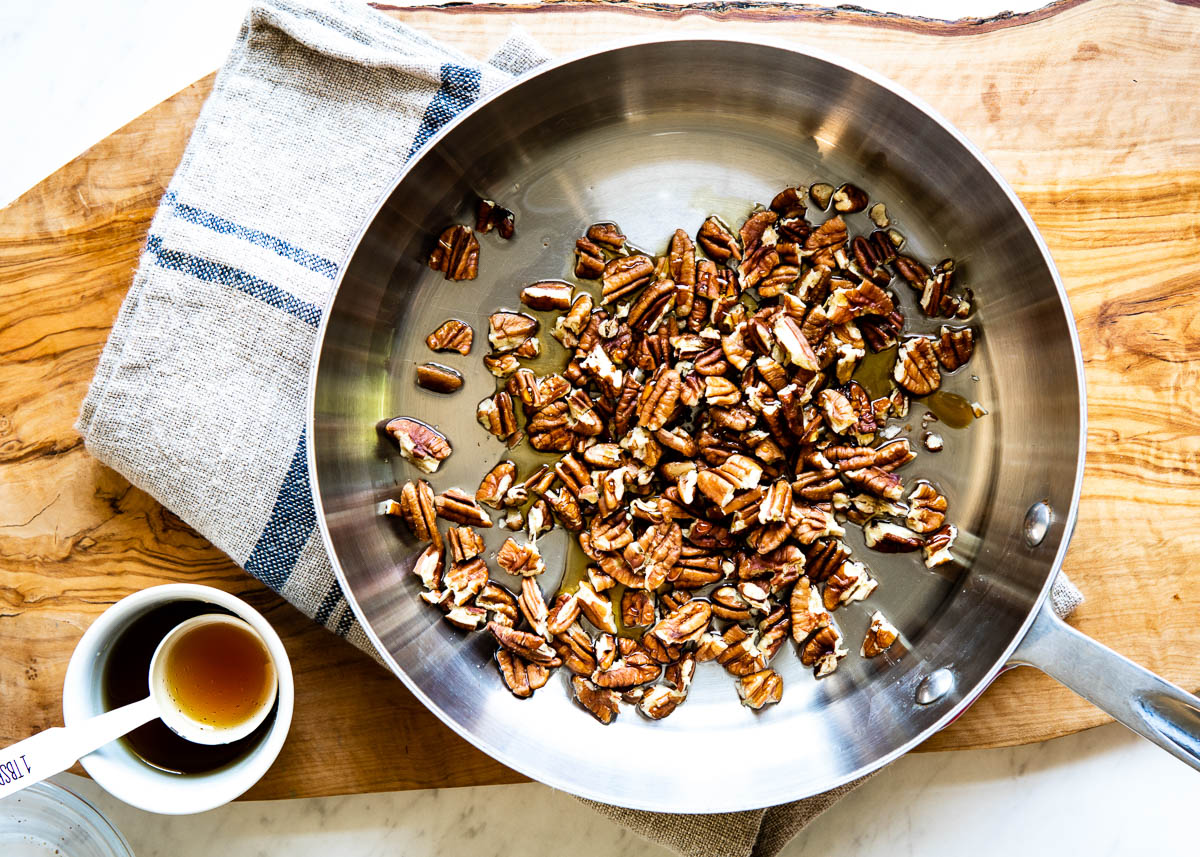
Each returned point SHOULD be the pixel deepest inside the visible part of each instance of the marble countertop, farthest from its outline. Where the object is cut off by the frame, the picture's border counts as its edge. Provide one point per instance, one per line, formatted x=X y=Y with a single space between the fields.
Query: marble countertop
x=76 y=72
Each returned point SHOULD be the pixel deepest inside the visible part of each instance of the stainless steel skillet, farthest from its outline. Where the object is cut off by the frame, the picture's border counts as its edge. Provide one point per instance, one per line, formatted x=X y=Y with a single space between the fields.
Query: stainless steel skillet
x=657 y=135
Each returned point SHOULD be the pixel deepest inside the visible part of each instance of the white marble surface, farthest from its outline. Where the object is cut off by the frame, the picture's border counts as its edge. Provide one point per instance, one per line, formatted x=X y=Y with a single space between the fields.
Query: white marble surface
x=72 y=73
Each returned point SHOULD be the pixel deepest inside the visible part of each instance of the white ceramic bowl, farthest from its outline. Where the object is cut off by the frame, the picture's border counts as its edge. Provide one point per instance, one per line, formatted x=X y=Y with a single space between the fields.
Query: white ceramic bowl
x=121 y=772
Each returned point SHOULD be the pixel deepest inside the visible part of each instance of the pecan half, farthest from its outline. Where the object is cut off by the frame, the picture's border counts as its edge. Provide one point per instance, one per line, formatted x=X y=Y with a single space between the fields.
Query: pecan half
x=807 y=610
x=795 y=345
x=566 y=508
x=880 y=636
x=659 y=400
x=637 y=608
x=955 y=347
x=452 y=335
x=684 y=625
x=439 y=378
x=501 y=365
x=416 y=507
x=659 y=701
x=460 y=507
x=717 y=240
x=520 y=676
x=877 y=481
x=625 y=275
x=916 y=368
x=764 y=687
x=419 y=443
x=465 y=543
x=826 y=241
x=456 y=254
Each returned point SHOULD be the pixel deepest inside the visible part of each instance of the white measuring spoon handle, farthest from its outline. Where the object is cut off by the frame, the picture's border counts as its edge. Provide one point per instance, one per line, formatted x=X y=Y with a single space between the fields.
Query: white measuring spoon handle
x=53 y=751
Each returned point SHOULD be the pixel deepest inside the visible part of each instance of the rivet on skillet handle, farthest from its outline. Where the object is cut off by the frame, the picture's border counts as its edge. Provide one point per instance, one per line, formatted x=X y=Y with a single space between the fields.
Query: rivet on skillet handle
x=934 y=686
x=1151 y=706
x=1037 y=523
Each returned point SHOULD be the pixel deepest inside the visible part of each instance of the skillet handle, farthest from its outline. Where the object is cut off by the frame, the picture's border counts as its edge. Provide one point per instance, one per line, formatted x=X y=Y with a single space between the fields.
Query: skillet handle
x=1154 y=708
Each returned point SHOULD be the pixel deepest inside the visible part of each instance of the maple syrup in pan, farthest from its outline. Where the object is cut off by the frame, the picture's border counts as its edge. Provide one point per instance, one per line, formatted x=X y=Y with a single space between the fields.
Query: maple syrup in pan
x=951 y=408
x=126 y=679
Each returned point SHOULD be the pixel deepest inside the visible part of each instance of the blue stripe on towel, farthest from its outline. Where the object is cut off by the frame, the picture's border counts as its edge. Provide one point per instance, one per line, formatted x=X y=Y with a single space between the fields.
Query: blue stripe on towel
x=200 y=217
x=331 y=600
x=214 y=272
x=459 y=89
x=289 y=527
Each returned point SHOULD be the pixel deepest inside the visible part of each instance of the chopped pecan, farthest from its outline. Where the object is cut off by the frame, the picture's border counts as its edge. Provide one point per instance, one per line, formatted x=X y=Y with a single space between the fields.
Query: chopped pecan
x=880 y=636
x=520 y=676
x=927 y=508
x=849 y=199
x=465 y=580
x=465 y=543
x=838 y=411
x=612 y=532
x=456 y=254
x=625 y=275
x=498 y=601
x=955 y=347
x=547 y=295
x=937 y=546
x=568 y=327
x=452 y=335
x=524 y=560
x=718 y=241
x=507 y=330
x=740 y=656
x=597 y=608
x=729 y=605
x=877 y=481
x=460 y=507
x=566 y=508
x=659 y=701
x=825 y=557
x=529 y=349
x=607 y=235
x=916 y=368
x=501 y=365
x=419 y=443
x=589 y=260
x=529 y=647
x=822 y=651
x=851 y=582
x=428 y=567
x=827 y=241
x=776 y=505
x=822 y=194
x=603 y=456
x=795 y=345
x=602 y=703
x=439 y=378
x=466 y=618
x=495 y=414
x=887 y=537
x=764 y=687
x=549 y=429
x=496 y=484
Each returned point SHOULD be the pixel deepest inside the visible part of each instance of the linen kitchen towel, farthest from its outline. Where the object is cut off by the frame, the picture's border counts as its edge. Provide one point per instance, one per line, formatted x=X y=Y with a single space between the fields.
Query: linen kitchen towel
x=199 y=397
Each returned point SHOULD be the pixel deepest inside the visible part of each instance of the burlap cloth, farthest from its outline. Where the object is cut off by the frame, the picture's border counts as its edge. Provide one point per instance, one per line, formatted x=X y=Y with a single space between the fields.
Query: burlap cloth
x=199 y=397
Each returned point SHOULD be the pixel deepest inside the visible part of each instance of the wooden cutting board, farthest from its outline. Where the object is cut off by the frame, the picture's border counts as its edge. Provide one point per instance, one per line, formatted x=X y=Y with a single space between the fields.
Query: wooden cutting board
x=1088 y=108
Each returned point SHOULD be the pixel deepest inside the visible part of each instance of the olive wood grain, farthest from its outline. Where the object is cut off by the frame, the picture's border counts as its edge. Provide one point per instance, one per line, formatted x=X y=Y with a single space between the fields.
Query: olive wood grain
x=1087 y=107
